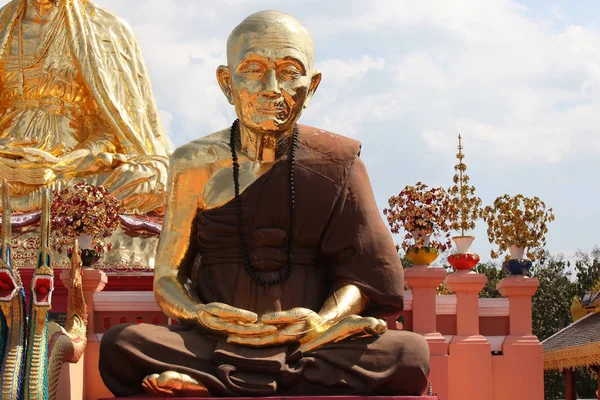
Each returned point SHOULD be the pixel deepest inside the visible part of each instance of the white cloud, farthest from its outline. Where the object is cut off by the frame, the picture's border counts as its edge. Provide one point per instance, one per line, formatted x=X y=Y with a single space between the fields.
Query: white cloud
x=520 y=80
x=436 y=139
x=339 y=70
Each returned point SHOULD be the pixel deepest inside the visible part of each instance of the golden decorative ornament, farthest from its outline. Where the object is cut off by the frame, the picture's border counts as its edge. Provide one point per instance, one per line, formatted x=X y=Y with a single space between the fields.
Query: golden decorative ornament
x=422 y=212
x=466 y=206
x=518 y=221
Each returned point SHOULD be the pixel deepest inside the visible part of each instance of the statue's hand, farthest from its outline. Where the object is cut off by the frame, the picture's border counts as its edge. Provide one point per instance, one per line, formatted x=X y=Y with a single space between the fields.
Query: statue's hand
x=86 y=162
x=17 y=142
x=311 y=330
x=291 y=326
x=74 y=156
x=353 y=326
x=223 y=319
x=27 y=157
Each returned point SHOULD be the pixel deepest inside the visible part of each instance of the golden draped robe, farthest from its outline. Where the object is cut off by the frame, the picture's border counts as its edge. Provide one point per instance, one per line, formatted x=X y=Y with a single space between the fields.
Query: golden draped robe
x=110 y=65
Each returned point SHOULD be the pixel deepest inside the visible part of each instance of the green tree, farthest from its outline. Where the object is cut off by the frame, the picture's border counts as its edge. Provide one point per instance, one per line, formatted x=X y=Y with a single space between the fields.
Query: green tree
x=551 y=310
x=494 y=275
x=587 y=270
x=552 y=301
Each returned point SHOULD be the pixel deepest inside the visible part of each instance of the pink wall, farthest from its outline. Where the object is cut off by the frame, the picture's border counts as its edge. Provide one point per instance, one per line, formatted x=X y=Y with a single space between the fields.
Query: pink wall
x=463 y=332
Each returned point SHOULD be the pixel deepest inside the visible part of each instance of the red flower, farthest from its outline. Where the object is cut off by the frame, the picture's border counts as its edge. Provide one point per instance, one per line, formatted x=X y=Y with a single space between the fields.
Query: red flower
x=84 y=209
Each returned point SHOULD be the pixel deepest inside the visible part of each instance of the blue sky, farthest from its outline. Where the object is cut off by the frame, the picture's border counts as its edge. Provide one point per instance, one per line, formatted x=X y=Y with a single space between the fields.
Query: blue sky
x=519 y=80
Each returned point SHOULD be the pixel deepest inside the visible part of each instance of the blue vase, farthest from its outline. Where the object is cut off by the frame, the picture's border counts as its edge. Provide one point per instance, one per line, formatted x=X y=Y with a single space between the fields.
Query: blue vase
x=517 y=266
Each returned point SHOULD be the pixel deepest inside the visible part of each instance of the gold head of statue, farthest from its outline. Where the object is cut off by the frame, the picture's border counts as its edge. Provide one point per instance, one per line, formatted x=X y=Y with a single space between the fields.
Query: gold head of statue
x=76 y=105
x=270 y=76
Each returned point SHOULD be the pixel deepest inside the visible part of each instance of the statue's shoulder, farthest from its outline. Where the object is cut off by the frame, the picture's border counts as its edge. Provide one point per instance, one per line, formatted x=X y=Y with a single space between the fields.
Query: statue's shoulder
x=103 y=18
x=331 y=146
x=8 y=6
x=202 y=152
x=8 y=10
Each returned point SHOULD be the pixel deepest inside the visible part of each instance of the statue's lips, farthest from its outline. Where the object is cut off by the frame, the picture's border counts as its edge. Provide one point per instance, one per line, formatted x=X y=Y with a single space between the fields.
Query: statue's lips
x=8 y=286
x=41 y=288
x=271 y=110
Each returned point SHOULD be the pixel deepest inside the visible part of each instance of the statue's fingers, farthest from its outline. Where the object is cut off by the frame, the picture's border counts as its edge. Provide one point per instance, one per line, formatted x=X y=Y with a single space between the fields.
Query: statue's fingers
x=289 y=334
x=223 y=325
x=355 y=326
x=252 y=341
x=371 y=326
x=285 y=317
x=351 y=326
x=293 y=330
x=104 y=159
x=120 y=158
x=279 y=318
x=342 y=330
x=270 y=340
x=250 y=329
x=226 y=311
x=148 y=386
x=381 y=326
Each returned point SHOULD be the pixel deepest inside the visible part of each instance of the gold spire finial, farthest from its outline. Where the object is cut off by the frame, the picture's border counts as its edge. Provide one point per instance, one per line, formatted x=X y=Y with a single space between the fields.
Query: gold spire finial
x=460 y=157
x=6 y=228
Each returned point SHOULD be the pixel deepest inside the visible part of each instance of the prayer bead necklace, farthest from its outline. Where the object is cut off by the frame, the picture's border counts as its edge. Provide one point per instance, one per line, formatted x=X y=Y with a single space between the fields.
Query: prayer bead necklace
x=52 y=31
x=284 y=273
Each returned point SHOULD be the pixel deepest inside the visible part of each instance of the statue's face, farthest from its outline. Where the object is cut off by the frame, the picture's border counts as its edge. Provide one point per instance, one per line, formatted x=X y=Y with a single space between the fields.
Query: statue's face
x=270 y=79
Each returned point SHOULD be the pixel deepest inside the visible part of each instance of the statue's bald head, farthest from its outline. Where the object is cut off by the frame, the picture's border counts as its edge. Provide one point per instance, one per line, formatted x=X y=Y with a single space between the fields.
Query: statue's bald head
x=270 y=75
x=266 y=28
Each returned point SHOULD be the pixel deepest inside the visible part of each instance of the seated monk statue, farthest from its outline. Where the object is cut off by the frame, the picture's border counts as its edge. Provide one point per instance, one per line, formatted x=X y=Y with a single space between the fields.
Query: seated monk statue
x=273 y=255
x=76 y=105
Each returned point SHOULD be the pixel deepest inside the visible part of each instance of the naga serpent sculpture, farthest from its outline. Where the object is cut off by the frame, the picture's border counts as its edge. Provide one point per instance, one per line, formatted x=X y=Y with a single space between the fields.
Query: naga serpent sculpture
x=13 y=318
x=34 y=349
x=42 y=285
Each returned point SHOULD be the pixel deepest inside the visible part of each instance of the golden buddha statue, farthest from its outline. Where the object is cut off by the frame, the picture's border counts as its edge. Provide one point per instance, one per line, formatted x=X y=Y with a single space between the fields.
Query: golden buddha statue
x=76 y=104
x=273 y=254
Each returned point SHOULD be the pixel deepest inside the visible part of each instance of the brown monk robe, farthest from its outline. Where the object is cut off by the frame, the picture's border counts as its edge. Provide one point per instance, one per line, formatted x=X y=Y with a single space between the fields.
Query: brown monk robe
x=340 y=239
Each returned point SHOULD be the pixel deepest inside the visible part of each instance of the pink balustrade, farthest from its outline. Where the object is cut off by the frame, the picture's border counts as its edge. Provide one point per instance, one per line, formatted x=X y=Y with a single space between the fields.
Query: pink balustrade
x=481 y=349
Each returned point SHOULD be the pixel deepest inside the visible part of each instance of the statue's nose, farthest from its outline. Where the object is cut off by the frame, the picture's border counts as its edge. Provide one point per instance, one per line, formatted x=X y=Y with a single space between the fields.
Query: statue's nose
x=271 y=86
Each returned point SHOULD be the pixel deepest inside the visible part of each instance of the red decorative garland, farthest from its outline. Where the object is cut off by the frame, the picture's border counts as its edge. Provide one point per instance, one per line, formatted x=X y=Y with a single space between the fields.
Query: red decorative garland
x=84 y=209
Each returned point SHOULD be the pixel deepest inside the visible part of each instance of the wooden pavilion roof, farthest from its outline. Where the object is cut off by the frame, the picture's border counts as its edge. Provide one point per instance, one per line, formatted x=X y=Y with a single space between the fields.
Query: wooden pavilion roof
x=577 y=345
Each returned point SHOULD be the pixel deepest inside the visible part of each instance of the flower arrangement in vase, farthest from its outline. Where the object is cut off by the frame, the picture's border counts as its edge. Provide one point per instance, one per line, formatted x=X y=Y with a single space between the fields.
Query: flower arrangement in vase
x=467 y=209
x=88 y=214
x=517 y=224
x=423 y=213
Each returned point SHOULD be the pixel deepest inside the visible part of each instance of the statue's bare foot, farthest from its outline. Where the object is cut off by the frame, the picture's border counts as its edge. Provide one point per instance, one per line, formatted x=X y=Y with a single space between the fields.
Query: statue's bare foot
x=174 y=384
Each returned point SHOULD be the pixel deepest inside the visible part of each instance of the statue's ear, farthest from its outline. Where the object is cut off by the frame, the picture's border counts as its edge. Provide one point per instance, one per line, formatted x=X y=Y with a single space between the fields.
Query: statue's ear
x=224 y=79
x=314 y=84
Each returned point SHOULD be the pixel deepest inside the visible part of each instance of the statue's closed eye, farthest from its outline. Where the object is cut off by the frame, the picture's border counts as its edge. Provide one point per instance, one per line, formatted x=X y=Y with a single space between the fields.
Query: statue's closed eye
x=251 y=67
